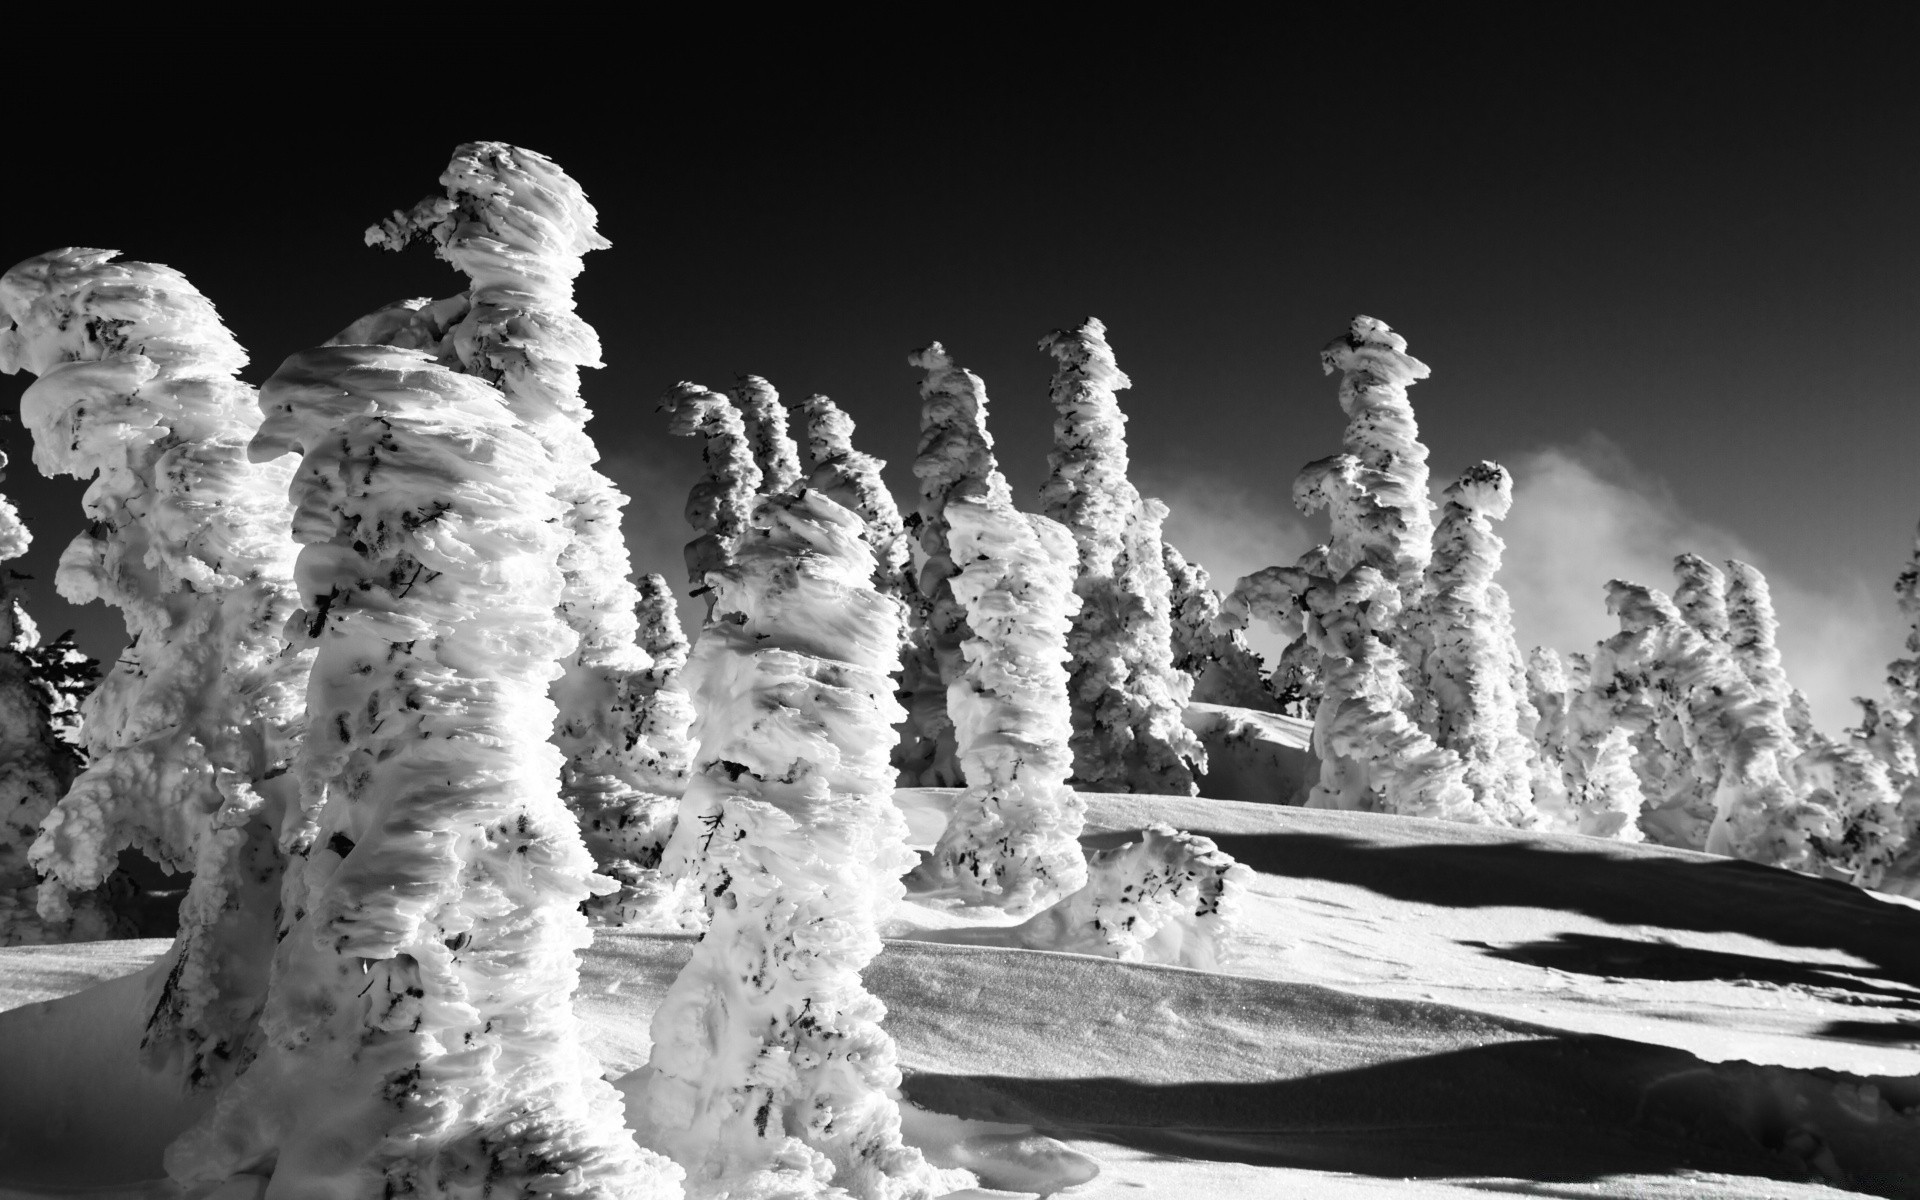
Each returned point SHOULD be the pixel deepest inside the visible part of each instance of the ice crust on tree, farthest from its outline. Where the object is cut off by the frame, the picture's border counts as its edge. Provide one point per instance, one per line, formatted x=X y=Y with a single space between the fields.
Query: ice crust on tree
x=1013 y=837
x=1127 y=695
x=419 y=1036
x=189 y=735
x=36 y=764
x=1751 y=632
x=1224 y=669
x=517 y=226
x=774 y=450
x=955 y=462
x=1472 y=663
x=721 y=501
x=1583 y=775
x=1700 y=593
x=770 y=1073
x=853 y=478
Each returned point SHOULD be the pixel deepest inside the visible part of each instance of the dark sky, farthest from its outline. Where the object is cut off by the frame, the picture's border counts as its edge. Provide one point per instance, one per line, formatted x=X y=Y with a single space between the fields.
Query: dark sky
x=1696 y=242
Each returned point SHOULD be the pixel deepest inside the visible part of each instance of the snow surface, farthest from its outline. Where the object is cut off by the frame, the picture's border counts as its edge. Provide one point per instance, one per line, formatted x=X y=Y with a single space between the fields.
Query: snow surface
x=1420 y=1010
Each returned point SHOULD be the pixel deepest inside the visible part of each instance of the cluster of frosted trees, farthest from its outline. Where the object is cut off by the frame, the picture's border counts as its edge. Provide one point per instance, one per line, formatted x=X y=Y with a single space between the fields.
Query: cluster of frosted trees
x=1681 y=729
x=395 y=707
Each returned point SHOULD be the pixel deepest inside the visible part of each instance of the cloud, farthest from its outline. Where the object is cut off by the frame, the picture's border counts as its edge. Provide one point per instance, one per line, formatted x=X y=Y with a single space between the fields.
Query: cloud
x=1584 y=514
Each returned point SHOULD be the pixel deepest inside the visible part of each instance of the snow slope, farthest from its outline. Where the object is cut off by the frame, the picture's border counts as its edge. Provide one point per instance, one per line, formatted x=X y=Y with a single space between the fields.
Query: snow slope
x=1422 y=1010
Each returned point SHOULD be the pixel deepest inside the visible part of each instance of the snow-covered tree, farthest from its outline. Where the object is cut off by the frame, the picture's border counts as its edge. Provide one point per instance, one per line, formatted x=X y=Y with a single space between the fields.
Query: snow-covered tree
x=774 y=451
x=517 y=226
x=1583 y=767
x=1869 y=831
x=418 y=1035
x=1012 y=838
x=770 y=1069
x=853 y=478
x=36 y=766
x=1465 y=628
x=720 y=503
x=955 y=462
x=1752 y=630
x=189 y=735
x=1128 y=735
x=1700 y=593
x=1224 y=669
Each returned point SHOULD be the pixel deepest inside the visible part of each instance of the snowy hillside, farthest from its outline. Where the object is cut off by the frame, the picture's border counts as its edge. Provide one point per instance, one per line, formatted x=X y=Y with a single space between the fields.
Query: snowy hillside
x=1421 y=1010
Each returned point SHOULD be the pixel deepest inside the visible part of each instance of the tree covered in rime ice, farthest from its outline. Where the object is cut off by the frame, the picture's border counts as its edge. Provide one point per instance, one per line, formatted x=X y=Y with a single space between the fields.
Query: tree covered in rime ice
x=37 y=764
x=517 y=225
x=770 y=1073
x=1224 y=669
x=1583 y=775
x=852 y=478
x=721 y=501
x=189 y=735
x=418 y=1034
x=1128 y=735
x=1013 y=837
x=955 y=462
x=774 y=451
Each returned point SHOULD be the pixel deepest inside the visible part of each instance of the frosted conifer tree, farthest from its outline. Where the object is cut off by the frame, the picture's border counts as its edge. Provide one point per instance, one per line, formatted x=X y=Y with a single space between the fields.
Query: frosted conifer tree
x=1012 y=839
x=189 y=735
x=1700 y=594
x=517 y=226
x=1471 y=656
x=418 y=1036
x=719 y=504
x=774 y=451
x=1224 y=669
x=770 y=1071
x=1751 y=632
x=955 y=461
x=852 y=478
x=1127 y=696
x=36 y=767
x=1868 y=832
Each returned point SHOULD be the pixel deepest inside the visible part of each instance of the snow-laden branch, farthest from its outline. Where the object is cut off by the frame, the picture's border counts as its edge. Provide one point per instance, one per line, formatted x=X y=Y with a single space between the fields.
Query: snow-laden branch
x=1224 y=669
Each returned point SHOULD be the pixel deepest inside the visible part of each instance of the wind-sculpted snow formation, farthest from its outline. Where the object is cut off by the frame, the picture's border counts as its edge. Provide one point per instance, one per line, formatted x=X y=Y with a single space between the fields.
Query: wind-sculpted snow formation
x=189 y=735
x=1127 y=697
x=774 y=451
x=1224 y=669
x=1013 y=837
x=1583 y=772
x=955 y=462
x=517 y=225
x=721 y=501
x=36 y=765
x=418 y=1035
x=1472 y=669
x=1700 y=593
x=770 y=1073
x=852 y=478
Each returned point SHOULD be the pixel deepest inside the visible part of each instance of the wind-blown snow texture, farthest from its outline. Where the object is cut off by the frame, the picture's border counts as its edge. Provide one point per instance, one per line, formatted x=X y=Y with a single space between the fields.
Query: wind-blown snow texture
x=1127 y=696
x=1013 y=837
x=190 y=733
x=517 y=225
x=771 y=1074
x=774 y=451
x=418 y=1037
x=852 y=478
x=720 y=502
x=1224 y=669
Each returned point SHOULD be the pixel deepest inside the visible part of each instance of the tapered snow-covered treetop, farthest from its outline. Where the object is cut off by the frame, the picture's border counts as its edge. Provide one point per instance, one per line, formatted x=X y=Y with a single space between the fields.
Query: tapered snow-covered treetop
x=1128 y=698
x=770 y=1073
x=774 y=450
x=418 y=1034
x=720 y=502
x=517 y=226
x=853 y=478
x=955 y=462
x=1376 y=489
x=1700 y=593
x=190 y=734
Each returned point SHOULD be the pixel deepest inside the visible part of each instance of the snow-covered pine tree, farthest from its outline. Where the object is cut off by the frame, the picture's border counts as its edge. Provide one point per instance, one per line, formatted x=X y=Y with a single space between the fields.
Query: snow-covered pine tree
x=1012 y=839
x=36 y=766
x=720 y=502
x=770 y=1069
x=1465 y=628
x=774 y=451
x=189 y=735
x=955 y=461
x=1224 y=669
x=418 y=1036
x=853 y=478
x=1128 y=698
x=517 y=226
x=1700 y=593
x=1752 y=630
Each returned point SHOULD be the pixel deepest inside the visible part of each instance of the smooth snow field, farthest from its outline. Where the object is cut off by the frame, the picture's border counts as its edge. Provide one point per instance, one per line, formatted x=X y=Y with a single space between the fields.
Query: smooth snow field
x=1419 y=1009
